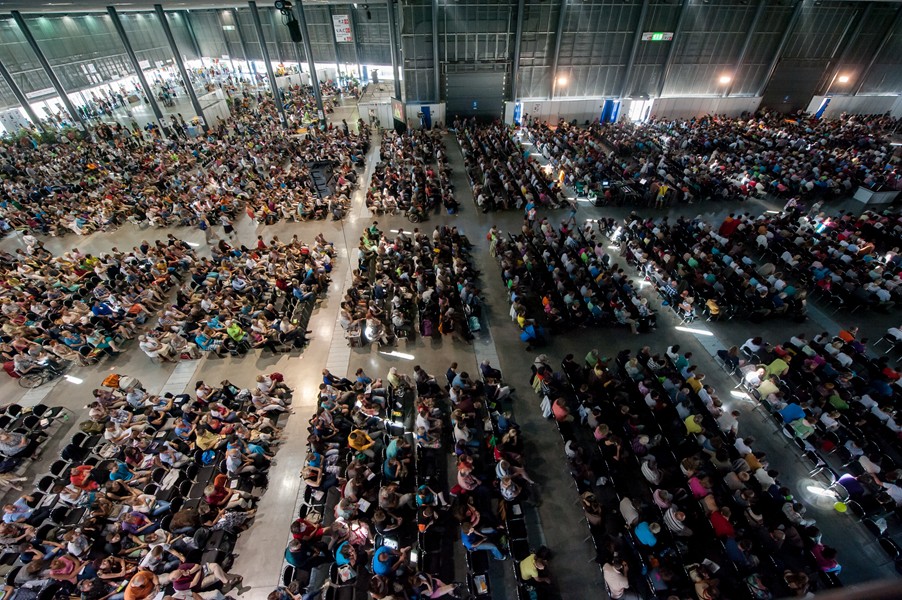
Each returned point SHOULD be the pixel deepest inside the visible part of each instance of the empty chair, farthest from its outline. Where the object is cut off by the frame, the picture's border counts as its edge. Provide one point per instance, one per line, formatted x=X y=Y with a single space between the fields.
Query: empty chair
x=74 y=453
x=58 y=468
x=13 y=410
x=876 y=529
x=45 y=412
x=31 y=421
x=892 y=549
x=58 y=514
x=158 y=474
x=45 y=483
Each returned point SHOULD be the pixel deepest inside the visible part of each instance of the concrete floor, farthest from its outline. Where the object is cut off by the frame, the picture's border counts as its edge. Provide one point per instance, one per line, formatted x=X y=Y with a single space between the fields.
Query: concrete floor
x=556 y=523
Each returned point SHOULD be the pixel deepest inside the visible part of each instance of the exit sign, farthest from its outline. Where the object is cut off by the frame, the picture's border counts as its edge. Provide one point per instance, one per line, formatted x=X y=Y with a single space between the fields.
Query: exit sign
x=657 y=36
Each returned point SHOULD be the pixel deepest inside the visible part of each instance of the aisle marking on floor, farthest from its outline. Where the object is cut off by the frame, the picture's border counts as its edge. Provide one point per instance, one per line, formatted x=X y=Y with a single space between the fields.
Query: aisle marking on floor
x=36 y=395
x=181 y=375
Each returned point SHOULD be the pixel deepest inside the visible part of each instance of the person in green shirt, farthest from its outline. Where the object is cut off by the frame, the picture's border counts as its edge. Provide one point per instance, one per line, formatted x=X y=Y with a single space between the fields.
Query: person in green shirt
x=592 y=358
x=235 y=331
x=778 y=367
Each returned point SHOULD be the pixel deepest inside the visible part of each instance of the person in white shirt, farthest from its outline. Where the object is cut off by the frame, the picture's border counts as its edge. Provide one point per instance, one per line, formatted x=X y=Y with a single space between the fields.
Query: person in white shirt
x=729 y=422
x=744 y=445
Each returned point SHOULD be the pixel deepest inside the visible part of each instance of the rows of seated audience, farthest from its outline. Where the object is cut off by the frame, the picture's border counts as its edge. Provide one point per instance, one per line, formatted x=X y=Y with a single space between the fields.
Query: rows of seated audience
x=676 y=500
x=149 y=496
x=840 y=406
x=696 y=268
x=500 y=173
x=693 y=264
x=413 y=176
x=560 y=278
x=82 y=187
x=377 y=512
x=411 y=284
x=243 y=298
x=76 y=307
x=715 y=157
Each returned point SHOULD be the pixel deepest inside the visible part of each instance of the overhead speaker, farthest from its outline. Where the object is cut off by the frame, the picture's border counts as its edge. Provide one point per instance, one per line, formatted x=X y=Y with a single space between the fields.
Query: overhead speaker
x=294 y=29
x=283 y=5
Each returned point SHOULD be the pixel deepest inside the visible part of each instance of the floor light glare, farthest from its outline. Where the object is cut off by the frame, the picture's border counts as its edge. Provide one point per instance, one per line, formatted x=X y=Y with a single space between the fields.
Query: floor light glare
x=738 y=394
x=773 y=212
x=819 y=491
x=693 y=330
x=397 y=354
x=613 y=247
x=71 y=379
x=193 y=244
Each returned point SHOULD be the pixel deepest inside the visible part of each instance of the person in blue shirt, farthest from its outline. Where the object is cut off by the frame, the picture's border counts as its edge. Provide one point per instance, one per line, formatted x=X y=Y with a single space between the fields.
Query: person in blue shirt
x=101 y=309
x=646 y=533
x=20 y=512
x=387 y=561
x=474 y=541
x=792 y=412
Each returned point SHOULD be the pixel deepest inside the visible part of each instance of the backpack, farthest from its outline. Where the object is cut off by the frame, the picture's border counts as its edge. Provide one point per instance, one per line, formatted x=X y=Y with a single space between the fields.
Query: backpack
x=91 y=427
x=427 y=328
x=474 y=324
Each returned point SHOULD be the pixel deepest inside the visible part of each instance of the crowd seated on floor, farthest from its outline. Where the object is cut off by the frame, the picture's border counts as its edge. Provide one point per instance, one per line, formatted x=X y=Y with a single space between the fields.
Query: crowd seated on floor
x=243 y=298
x=560 y=278
x=410 y=283
x=377 y=508
x=413 y=176
x=676 y=499
x=500 y=172
x=82 y=187
x=671 y=161
x=76 y=307
x=150 y=496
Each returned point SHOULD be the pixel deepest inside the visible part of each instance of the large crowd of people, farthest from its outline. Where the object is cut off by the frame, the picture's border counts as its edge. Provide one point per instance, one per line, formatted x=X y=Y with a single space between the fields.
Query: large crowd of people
x=241 y=298
x=676 y=498
x=765 y=266
x=76 y=307
x=245 y=162
x=413 y=176
x=561 y=278
x=150 y=496
x=500 y=172
x=670 y=161
x=409 y=284
x=378 y=508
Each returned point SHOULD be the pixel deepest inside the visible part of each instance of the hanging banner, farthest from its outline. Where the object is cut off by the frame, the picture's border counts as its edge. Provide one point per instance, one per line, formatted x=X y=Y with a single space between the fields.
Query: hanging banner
x=342 y=25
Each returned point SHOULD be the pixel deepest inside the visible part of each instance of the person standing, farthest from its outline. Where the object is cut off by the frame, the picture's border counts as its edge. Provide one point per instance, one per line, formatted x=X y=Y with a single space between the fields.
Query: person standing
x=228 y=227
x=204 y=226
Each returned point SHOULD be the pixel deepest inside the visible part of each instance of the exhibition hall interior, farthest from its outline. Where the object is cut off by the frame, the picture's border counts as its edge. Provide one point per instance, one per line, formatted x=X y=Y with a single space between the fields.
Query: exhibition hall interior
x=485 y=299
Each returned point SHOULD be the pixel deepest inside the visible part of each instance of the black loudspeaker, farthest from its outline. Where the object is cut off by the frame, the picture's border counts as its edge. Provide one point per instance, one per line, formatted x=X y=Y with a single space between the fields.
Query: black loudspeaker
x=294 y=29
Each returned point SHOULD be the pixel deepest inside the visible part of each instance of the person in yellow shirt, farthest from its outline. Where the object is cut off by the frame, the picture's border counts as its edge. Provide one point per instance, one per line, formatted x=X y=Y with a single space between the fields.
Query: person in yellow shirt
x=361 y=442
x=779 y=367
x=695 y=382
x=693 y=424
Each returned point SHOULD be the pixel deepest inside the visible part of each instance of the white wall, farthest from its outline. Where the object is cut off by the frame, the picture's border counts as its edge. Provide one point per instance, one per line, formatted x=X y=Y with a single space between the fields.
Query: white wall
x=553 y=111
x=862 y=105
x=686 y=108
x=437 y=111
x=583 y=110
x=383 y=112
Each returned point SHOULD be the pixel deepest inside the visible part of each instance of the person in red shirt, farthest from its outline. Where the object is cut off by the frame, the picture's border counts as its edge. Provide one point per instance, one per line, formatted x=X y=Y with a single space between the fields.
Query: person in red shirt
x=304 y=530
x=720 y=521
